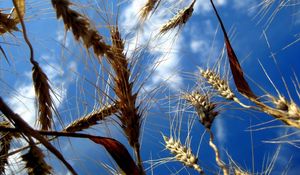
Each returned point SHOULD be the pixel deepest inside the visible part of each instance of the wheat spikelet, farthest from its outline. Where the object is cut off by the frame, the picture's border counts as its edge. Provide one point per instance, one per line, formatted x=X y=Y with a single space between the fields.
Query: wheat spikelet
x=80 y=26
x=42 y=91
x=179 y=19
x=204 y=108
x=182 y=153
x=92 y=118
x=149 y=7
x=217 y=83
x=35 y=163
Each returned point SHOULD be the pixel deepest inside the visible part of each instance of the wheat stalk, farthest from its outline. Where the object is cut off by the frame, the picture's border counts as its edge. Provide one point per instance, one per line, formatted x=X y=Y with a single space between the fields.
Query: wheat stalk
x=182 y=153
x=179 y=19
x=204 y=108
x=35 y=163
x=92 y=118
x=220 y=163
x=80 y=26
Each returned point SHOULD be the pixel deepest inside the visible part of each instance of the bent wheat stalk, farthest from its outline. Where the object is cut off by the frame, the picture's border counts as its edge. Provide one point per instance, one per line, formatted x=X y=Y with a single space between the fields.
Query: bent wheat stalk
x=220 y=163
x=40 y=80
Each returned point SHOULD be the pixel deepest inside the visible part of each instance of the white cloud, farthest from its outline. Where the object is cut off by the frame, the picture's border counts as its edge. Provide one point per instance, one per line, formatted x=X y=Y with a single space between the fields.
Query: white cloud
x=199 y=46
x=220 y=130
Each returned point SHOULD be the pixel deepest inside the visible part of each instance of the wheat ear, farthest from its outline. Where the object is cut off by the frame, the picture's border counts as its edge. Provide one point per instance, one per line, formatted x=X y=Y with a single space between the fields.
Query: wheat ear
x=179 y=19
x=9 y=22
x=204 y=108
x=35 y=163
x=42 y=91
x=149 y=7
x=80 y=26
x=92 y=118
x=123 y=87
x=220 y=85
x=182 y=153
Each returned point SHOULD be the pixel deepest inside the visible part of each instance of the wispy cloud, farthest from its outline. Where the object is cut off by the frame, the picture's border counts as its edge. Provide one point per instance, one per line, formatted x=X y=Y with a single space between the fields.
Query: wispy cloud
x=164 y=49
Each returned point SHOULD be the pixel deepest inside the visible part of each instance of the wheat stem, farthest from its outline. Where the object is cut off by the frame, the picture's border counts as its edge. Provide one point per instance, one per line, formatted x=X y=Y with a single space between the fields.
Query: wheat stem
x=220 y=163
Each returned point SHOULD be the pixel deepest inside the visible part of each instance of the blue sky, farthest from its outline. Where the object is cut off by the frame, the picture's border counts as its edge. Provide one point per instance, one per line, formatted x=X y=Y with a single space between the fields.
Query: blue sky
x=74 y=74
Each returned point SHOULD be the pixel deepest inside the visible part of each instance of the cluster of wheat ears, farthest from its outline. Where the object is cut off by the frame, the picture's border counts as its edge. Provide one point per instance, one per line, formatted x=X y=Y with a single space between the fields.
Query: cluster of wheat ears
x=125 y=105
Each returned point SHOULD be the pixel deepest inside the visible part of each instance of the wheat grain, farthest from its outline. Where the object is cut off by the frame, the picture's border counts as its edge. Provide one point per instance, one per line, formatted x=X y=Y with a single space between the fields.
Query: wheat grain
x=92 y=118
x=204 y=108
x=182 y=153
x=179 y=19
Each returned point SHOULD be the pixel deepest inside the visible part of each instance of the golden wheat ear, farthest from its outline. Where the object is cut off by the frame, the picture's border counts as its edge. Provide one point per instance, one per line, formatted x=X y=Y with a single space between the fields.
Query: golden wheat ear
x=182 y=153
x=92 y=118
x=148 y=8
x=42 y=91
x=203 y=106
x=35 y=163
x=179 y=19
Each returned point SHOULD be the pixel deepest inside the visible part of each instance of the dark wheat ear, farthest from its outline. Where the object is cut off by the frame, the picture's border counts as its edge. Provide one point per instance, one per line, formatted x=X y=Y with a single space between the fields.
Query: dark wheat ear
x=179 y=19
x=42 y=91
x=9 y=22
x=5 y=142
x=35 y=163
x=80 y=26
x=129 y=114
